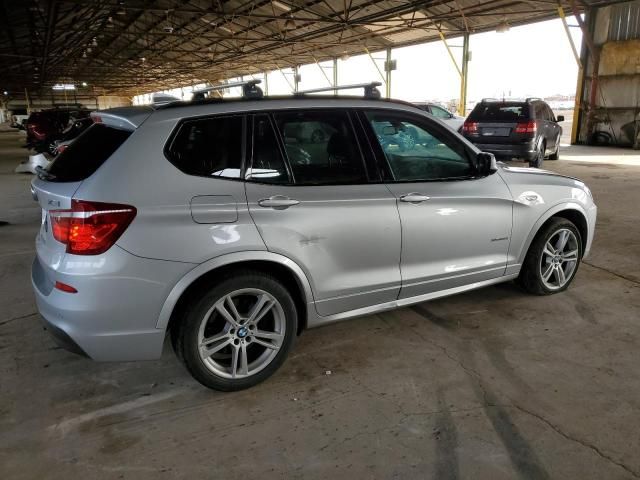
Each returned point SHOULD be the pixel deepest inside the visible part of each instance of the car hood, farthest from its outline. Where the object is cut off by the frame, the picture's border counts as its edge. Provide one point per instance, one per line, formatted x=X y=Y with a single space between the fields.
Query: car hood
x=537 y=175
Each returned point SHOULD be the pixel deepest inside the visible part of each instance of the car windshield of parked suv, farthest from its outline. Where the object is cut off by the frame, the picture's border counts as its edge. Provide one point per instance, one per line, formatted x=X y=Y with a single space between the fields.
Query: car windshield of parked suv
x=500 y=112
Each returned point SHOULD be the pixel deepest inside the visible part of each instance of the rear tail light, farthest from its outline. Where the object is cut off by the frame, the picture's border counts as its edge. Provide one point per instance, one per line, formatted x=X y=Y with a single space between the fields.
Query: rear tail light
x=526 y=127
x=470 y=127
x=65 y=288
x=61 y=148
x=90 y=228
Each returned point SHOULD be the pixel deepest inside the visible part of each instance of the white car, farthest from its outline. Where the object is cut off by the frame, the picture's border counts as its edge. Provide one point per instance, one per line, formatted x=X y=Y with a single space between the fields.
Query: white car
x=441 y=113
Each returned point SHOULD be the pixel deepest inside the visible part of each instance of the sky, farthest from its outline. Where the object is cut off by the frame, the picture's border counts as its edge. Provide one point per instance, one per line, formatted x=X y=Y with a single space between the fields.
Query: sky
x=532 y=60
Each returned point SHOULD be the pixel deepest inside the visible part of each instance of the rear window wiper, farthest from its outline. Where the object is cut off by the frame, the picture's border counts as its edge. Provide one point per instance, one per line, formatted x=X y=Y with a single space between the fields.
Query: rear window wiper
x=44 y=174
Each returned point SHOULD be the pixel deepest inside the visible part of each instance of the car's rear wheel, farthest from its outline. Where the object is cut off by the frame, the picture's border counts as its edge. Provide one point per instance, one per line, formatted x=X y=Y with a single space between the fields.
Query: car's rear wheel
x=553 y=258
x=539 y=156
x=556 y=155
x=238 y=333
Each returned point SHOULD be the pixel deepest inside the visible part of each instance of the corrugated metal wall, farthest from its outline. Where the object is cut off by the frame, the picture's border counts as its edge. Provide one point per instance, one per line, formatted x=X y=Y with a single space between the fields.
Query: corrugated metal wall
x=625 y=21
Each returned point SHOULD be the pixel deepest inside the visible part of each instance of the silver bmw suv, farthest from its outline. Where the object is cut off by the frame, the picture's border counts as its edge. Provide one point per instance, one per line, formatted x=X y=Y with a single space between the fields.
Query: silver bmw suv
x=233 y=225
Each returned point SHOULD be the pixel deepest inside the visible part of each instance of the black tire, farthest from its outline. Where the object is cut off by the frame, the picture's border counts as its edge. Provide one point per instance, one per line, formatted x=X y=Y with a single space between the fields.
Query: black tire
x=539 y=158
x=530 y=278
x=185 y=335
x=556 y=155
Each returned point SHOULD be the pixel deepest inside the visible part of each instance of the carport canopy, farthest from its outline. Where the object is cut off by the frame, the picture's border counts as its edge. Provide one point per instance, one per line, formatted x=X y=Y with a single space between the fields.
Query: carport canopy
x=119 y=46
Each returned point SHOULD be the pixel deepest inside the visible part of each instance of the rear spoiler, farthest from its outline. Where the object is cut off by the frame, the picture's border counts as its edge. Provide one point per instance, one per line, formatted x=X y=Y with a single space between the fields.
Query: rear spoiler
x=125 y=118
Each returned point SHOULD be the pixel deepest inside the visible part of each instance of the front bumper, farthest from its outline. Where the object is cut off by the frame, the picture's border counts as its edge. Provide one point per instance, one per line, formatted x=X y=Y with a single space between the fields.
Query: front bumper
x=592 y=214
x=113 y=315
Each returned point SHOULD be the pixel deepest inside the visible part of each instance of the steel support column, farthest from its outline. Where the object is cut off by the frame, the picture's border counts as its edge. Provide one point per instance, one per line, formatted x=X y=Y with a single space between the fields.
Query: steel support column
x=577 y=101
x=388 y=71
x=464 y=75
x=296 y=79
x=335 y=75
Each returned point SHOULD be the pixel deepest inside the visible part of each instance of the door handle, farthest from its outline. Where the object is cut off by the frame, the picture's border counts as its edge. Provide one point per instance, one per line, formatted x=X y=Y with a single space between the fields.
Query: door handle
x=278 y=202
x=414 y=198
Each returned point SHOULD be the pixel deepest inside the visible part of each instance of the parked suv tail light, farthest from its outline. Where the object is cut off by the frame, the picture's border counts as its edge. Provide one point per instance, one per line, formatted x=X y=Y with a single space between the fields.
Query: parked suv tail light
x=526 y=127
x=470 y=127
x=91 y=228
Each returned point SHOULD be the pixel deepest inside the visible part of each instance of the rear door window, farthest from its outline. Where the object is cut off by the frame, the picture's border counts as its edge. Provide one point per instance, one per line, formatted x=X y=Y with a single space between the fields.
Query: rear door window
x=210 y=147
x=500 y=112
x=86 y=153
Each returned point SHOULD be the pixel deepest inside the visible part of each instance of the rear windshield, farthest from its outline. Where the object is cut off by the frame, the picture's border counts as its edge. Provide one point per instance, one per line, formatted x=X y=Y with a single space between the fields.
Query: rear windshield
x=500 y=112
x=86 y=153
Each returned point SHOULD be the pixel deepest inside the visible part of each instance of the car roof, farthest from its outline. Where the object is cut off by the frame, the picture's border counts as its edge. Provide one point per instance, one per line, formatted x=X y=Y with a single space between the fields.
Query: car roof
x=132 y=117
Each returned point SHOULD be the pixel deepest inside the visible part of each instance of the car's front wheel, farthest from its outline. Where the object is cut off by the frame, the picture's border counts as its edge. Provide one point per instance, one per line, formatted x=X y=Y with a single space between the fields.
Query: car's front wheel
x=553 y=258
x=238 y=333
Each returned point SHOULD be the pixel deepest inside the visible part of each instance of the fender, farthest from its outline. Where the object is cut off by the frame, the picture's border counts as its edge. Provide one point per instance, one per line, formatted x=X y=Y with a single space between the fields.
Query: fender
x=571 y=205
x=197 y=272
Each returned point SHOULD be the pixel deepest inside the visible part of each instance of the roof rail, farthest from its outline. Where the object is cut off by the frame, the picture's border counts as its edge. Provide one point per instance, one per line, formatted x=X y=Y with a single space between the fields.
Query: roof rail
x=249 y=89
x=370 y=90
x=531 y=99
x=489 y=99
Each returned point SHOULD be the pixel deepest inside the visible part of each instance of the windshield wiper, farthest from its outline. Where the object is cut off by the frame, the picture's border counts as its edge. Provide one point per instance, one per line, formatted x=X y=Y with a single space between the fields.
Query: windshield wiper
x=44 y=174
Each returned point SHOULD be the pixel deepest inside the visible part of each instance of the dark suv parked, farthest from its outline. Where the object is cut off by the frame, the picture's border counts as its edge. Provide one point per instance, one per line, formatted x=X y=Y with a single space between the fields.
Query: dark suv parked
x=515 y=129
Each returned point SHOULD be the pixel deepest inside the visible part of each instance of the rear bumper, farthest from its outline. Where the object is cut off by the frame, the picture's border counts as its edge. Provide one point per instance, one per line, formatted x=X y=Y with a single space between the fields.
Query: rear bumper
x=113 y=315
x=525 y=151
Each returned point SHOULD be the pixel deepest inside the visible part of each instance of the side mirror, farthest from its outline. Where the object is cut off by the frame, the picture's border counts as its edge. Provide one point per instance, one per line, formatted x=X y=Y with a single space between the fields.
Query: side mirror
x=560 y=118
x=486 y=164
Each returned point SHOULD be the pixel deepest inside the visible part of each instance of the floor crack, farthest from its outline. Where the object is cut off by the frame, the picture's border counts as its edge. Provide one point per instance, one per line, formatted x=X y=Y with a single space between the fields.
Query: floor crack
x=4 y=322
x=595 y=449
x=624 y=277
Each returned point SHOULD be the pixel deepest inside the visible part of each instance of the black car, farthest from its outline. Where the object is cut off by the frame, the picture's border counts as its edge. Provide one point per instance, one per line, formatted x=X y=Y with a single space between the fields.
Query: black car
x=525 y=130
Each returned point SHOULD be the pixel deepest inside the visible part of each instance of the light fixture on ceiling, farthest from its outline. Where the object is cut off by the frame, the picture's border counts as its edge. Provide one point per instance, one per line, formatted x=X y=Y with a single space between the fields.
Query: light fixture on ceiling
x=289 y=23
x=280 y=5
x=228 y=30
x=168 y=28
x=503 y=27
x=121 y=10
x=84 y=84
x=63 y=86
x=89 y=50
x=345 y=56
x=143 y=59
x=94 y=42
x=84 y=54
x=5 y=92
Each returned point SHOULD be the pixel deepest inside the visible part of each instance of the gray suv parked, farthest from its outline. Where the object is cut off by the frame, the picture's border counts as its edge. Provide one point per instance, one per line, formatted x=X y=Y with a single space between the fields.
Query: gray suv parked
x=208 y=222
x=526 y=130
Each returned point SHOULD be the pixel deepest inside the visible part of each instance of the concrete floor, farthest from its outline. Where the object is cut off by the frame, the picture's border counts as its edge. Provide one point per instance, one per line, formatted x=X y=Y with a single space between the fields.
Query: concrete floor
x=493 y=384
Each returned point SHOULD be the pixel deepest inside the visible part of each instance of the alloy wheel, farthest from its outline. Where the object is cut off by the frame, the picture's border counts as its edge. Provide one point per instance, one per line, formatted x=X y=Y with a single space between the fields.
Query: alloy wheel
x=241 y=333
x=559 y=259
